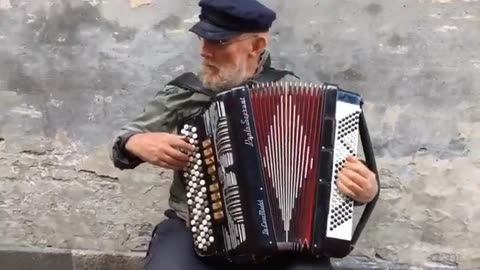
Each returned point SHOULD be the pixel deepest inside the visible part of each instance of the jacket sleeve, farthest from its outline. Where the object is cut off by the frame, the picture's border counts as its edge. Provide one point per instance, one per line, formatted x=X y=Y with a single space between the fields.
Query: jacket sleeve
x=159 y=115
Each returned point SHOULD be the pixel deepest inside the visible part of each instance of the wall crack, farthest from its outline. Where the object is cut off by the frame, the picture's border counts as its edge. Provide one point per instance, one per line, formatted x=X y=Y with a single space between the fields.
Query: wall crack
x=102 y=176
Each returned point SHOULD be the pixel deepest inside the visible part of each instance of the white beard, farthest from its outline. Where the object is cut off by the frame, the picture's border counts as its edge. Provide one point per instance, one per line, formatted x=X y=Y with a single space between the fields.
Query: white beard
x=227 y=77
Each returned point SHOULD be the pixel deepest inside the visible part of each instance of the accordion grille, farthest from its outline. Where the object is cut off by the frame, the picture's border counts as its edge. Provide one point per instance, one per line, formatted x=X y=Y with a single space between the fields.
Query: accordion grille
x=287 y=121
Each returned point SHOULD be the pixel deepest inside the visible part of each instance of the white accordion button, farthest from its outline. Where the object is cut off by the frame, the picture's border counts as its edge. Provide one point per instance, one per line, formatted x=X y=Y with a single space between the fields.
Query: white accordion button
x=194 y=136
x=194 y=229
x=202 y=182
x=203 y=189
x=200 y=194
x=199 y=162
x=194 y=129
x=206 y=229
x=208 y=217
x=202 y=234
x=204 y=222
x=189 y=195
x=189 y=202
x=200 y=245
x=207 y=210
x=211 y=239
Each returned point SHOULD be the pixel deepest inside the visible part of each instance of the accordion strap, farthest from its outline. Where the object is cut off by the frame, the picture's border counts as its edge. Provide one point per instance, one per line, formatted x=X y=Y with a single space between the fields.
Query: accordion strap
x=271 y=75
x=189 y=81
x=371 y=164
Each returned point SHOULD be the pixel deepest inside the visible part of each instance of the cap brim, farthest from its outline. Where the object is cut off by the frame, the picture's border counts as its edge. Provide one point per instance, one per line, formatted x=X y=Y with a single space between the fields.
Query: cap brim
x=210 y=31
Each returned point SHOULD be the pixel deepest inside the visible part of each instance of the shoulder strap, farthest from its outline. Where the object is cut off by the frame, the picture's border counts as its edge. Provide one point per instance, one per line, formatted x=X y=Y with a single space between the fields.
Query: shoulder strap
x=189 y=81
x=271 y=75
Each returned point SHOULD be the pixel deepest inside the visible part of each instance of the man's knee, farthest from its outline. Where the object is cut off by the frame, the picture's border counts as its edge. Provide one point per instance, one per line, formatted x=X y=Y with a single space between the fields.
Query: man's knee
x=310 y=264
x=171 y=248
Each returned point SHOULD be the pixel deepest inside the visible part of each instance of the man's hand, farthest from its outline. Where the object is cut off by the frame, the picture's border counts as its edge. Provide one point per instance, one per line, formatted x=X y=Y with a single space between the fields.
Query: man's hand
x=162 y=149
x=356 y=181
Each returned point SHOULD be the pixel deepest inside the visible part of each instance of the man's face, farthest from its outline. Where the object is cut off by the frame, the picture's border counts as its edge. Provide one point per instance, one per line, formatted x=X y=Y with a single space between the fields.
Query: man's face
x=226 y=65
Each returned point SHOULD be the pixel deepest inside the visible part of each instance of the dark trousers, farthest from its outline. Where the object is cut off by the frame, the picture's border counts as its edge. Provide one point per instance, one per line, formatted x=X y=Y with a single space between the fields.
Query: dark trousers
x=171 y=248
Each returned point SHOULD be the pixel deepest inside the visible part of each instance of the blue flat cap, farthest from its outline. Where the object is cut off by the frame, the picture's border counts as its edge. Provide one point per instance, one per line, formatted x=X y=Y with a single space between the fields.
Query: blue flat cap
x=224 y=19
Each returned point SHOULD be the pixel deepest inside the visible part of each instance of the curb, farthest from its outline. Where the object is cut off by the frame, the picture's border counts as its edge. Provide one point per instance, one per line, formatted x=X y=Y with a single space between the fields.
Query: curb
x=19 y=258
x=61 y=259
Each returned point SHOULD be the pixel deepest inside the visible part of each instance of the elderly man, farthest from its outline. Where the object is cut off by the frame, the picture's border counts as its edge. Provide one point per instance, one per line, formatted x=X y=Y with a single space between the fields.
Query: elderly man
x=233 y=40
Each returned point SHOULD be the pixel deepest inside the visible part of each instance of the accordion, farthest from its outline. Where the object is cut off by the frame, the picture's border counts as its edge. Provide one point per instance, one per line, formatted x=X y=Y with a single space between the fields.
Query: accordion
x=261 y=179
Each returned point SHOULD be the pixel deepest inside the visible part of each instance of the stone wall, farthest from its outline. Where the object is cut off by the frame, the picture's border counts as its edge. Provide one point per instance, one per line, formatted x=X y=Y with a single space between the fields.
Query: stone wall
x=72 y=72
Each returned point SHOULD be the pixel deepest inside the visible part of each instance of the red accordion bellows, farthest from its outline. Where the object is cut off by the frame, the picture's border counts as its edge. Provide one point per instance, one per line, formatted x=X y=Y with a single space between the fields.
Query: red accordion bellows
x=287 y=121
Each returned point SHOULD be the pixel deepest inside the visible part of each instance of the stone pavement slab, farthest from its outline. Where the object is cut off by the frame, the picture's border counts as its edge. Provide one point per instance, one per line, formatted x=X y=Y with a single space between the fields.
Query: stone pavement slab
x=15 y=258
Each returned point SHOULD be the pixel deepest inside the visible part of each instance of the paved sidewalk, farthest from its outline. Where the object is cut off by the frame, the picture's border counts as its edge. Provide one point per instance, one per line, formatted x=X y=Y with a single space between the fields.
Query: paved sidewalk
x=60 y=259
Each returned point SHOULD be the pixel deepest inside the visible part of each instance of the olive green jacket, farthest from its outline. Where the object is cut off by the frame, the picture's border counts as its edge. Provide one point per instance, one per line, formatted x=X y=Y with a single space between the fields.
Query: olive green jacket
x=162 y=114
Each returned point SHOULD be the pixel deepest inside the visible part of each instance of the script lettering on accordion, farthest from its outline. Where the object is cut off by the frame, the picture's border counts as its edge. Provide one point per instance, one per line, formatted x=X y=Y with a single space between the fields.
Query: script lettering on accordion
x=246 y=122
x=263 y=215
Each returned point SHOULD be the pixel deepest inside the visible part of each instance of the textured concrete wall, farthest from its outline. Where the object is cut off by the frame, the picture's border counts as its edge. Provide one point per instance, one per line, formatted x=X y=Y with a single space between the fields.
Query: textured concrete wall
x=71 y=72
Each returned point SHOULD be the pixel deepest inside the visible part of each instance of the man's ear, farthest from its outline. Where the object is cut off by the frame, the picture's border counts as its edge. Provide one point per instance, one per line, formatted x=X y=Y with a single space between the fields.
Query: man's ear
x=259 y=44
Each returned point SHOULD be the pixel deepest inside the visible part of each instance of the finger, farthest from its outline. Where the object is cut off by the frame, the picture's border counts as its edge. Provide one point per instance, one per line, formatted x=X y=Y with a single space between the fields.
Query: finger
x=163 y=165
x=354 y=177
x=353 y=159
x=173 y=163
x=177 y=155
x=164 y=161
x=345 y=190
x=345 y=177
x=180 y=142
x=357 y=166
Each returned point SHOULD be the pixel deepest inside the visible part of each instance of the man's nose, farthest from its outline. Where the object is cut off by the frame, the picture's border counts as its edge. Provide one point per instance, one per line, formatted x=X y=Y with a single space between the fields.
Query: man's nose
x=206 y=49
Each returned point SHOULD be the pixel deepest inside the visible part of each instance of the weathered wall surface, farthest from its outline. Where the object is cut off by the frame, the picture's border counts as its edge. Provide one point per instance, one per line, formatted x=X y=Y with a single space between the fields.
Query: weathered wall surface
x=71 y=72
